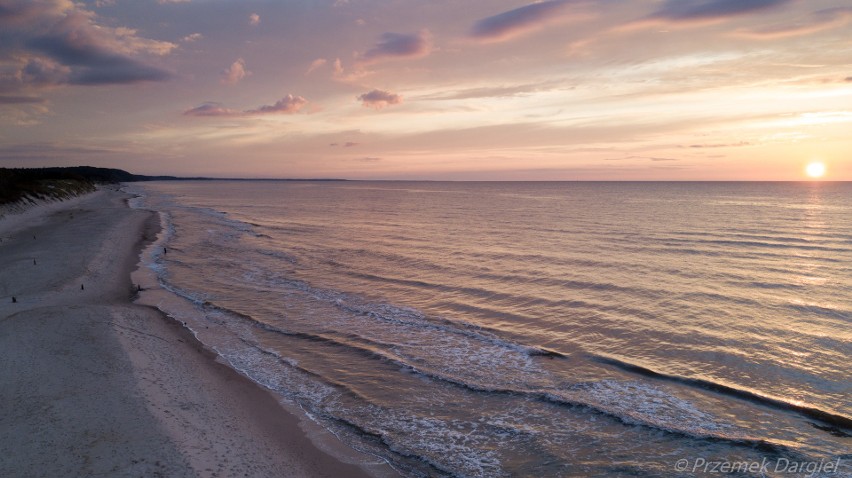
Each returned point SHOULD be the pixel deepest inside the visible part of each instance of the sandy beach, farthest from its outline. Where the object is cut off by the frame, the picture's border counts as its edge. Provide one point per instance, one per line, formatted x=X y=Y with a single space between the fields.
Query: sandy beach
x=95 y=385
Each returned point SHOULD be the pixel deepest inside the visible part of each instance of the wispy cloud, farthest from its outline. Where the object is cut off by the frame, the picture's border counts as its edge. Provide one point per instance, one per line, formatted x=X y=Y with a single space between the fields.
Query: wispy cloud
x=720 y=145
x=290 y=104
x=192 y=37
x=379 y=99
x=254 y=19
x=502 y=91
x=211 y=109
x=703 y=10
x=318 y=63
x=19 y=100
x=396 y=46
x=825 y=19
x=655 y=159
x=49 y=150
x=235 y=73
x=519 y=21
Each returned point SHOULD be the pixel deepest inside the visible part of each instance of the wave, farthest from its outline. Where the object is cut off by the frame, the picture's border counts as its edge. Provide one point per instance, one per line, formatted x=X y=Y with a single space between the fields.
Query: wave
x=834 y=420
x=513 y=279
x=630 y=403
x=433 y=468
x=756 y=244
x=676 y=248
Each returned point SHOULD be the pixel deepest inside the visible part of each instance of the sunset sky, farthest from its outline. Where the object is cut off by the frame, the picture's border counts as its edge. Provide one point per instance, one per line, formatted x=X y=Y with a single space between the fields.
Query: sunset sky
x=393 y=89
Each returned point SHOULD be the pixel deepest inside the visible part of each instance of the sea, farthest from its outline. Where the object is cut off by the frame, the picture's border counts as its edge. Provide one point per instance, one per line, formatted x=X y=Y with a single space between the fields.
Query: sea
x=531 y=329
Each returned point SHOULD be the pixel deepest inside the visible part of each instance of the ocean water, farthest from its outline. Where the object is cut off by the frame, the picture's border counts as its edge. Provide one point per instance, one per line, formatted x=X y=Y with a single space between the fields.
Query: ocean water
x=532 y=329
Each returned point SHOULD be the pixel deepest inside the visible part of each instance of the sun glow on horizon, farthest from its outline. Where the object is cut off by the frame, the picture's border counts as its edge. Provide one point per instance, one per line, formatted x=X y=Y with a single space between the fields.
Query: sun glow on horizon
x=815 y=169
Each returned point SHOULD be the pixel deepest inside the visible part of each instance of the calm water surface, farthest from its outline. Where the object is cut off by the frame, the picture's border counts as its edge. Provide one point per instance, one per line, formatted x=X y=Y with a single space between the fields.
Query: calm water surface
x=531 y=329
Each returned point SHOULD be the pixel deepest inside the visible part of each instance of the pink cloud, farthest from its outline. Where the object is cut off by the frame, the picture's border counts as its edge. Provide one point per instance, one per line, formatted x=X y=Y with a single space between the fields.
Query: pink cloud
x=519 y=21
x=396 y=46
x=211 y=109
x=51 y=43
x=821 y=20
x=235 y=73
x=192 y=37
x=379 y=99
x=288 y=105
x=703 y=10
x=254 y=19
x=318 y=63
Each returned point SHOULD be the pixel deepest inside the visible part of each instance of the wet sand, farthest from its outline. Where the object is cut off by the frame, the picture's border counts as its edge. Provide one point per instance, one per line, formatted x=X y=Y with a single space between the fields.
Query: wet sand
x=93 y=384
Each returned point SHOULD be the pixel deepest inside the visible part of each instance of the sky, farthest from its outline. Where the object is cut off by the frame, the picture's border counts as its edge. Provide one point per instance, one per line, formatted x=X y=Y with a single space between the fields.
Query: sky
x=438 y=90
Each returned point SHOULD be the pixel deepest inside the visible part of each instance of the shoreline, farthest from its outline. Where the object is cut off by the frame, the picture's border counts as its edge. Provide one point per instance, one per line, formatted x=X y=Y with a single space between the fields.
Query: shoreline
x=99 y=384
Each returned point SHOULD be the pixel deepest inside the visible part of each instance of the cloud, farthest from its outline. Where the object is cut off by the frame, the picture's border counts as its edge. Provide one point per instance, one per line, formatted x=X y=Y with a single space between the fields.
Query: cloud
x=396 y=46
x=288 y=105
x=254 y=19
x=519 y=21
x=702 y=10
x=350 y=144
x=192 y=37
x=338 y=67
x=493 y=91
x=48 y=150
x=24 y=13
x=318 y=63
x=166 y=2
x=43 y=71
x=379 y=99
x=848 y=79
x=77 y=34
x=18 y=100
x=818 y=21
x=211 y=109
x=235 y=73
x=56 y=42
x=649 y=158
x=351 y=75
x=367 y=159
x=720 y=145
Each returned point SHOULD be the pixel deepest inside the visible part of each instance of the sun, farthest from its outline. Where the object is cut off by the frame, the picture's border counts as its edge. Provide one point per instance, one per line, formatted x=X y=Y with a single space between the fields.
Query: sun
x=815 y=170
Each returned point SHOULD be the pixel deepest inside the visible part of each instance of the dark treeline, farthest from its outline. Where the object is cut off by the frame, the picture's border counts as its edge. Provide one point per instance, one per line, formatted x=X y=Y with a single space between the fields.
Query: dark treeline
x=58 y=183
x=61 y=183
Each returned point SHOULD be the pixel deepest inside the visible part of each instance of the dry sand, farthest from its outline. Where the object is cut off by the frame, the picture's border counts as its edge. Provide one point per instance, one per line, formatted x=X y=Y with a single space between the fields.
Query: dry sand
x=94 y=385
